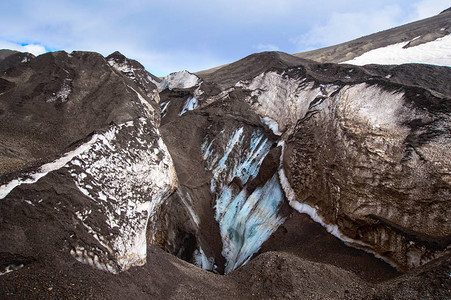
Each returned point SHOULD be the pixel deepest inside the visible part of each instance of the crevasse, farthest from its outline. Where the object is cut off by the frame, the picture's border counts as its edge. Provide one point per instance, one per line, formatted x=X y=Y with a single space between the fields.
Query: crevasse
x=246 y=220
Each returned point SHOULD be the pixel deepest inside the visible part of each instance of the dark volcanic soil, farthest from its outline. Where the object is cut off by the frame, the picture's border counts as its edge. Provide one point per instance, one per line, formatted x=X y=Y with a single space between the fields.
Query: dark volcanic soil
x=272 y=275
x=306 y=239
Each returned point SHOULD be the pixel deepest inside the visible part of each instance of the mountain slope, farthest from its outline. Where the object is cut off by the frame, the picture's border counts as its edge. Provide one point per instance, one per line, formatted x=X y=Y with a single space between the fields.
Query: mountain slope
x=288 y=175
x=412 y=34
x=407 y=36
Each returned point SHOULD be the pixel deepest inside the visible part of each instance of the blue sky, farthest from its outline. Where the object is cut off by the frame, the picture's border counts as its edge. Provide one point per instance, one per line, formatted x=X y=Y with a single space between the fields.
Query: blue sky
x=172 y=35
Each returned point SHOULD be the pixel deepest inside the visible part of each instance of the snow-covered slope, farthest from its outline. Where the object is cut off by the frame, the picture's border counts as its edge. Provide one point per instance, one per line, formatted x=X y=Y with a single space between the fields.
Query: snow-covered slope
x=437 y=52
x=415 y=33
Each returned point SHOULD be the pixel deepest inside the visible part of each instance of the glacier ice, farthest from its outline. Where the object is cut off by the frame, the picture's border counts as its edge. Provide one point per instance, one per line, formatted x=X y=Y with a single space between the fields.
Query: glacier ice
x=247 y=221
x=202 y=261
x=190 y=104
x=241 y=158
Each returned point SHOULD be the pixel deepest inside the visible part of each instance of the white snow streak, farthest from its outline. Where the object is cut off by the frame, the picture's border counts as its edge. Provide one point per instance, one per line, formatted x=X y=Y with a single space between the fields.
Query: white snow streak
x=272 y=125
x=313 y=214
x=46 y=168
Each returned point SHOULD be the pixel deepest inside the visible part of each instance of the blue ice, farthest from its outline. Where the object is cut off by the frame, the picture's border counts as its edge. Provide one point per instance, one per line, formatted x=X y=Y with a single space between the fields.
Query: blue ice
x=246 y=222
x=190 y=104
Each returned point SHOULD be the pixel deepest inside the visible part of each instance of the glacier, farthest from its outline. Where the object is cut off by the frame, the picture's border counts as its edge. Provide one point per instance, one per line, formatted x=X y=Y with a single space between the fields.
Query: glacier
x=246 y=219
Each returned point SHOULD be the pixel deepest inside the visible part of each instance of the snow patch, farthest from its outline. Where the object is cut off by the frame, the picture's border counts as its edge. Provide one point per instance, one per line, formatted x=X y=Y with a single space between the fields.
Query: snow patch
x=164 y=107
x=181 y=80
x=10 y=268
x=437 y=52
x=272 y=125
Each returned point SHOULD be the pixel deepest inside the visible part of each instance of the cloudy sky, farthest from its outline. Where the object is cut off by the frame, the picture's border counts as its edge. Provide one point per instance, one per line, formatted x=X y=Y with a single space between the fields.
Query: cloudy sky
x=172 y=35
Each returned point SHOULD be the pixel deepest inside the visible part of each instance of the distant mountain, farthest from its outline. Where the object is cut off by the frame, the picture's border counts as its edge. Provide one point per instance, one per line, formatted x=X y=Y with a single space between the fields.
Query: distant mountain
x=296 y=176
x=411 y=35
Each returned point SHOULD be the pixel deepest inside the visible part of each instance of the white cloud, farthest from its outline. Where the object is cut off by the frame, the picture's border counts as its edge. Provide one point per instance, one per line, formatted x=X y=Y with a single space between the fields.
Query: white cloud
x=428 y=8
x=267 y=47
x=343 y=27
x=34 y=49
x=205 y=35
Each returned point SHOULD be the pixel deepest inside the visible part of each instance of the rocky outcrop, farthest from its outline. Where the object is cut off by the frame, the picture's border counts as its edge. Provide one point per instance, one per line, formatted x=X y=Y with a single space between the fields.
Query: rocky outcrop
x=99 y=169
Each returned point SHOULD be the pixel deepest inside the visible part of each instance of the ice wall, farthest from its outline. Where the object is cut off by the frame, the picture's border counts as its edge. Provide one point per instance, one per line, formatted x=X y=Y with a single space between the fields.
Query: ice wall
x=246 y=220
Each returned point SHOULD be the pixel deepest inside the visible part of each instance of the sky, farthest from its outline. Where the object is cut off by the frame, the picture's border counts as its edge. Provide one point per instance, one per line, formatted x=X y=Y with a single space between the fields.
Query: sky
x=172 y=35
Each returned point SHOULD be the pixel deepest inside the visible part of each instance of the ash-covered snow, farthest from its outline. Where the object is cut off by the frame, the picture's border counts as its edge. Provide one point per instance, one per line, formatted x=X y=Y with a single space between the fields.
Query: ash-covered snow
x=372 y=105
x=127 y=173
x=437 y=52
x=137 y=74
x=281 y=100
x=312 y=212
x=181 y=79
x=148 y=109
x=45 y=169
